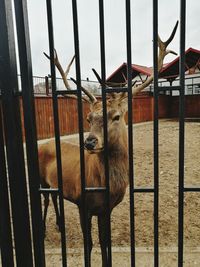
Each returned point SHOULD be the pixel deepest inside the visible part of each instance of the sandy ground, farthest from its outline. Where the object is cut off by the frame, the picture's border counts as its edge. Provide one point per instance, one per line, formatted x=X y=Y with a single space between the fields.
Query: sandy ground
x=168 y=205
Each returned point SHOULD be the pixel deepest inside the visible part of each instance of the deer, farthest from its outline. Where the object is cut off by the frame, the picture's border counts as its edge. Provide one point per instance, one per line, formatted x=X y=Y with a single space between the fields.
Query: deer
x=94 y=156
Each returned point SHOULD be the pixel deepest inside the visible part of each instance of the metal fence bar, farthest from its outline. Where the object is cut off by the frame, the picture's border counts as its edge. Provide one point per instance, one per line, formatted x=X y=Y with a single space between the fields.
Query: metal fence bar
x=13 y=138
x=105 y=129
x=6 y=247
x=155 y=134
x=130 y=131
x=30 y=129
x=65 y=92
x=181 y=133
x=57 y=131
x=116 y=90
x=83 y=207
x=143 y=190
x=49 y=190
x=191 y=189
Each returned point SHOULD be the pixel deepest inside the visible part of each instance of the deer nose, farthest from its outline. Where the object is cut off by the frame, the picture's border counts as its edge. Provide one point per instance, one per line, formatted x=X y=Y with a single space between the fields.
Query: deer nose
x=90 y=142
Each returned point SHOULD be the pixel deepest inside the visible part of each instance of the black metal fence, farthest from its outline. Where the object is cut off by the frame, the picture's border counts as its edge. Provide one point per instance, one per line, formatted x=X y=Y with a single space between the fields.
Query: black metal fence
x=192 y=85
x=42 y=85
x=21 y=239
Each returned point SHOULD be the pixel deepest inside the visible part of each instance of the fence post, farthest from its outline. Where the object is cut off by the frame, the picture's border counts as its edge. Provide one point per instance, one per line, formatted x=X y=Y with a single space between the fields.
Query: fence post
x=47 y=85
x=6 y=245
x=13 y=139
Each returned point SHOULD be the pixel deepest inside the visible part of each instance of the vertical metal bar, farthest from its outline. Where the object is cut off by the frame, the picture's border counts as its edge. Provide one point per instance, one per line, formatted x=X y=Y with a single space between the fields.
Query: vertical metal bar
x=13 y=137
x=57 y=131
x=30 y=129
x=105 y=128
x=155 y=134
x=47 y=85
x=81 y=137
x=181 y=132
x=130 y=131
x=5 y=220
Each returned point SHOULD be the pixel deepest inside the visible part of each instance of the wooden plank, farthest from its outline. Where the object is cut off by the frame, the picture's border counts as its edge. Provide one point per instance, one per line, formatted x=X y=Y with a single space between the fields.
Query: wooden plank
x=142 y=111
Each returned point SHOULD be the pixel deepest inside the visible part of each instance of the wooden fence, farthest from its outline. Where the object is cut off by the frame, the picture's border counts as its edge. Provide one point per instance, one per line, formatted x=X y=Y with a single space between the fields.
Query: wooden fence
x=142 y=111
x=192 y=106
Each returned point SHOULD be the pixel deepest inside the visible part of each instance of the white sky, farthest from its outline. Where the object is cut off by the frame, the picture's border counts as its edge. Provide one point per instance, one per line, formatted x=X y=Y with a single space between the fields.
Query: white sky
x=169 y=11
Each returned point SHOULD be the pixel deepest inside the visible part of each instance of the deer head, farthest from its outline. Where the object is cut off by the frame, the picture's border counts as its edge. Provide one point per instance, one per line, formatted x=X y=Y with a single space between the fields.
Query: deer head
x=116 y=110
x=116 y=105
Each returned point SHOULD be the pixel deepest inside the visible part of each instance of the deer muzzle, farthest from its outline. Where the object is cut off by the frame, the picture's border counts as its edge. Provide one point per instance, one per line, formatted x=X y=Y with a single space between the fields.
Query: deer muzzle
x=90 y=142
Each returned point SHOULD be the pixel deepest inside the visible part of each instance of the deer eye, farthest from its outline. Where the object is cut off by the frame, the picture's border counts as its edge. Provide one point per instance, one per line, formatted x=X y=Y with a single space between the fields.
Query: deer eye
x=88 y=120
x=116 y=118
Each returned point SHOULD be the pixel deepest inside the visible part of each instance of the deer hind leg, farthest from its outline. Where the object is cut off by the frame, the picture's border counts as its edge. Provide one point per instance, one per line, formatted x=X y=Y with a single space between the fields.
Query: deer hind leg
x=55 y=203
x=87 y=233
x=46 y=205
x=103 y=239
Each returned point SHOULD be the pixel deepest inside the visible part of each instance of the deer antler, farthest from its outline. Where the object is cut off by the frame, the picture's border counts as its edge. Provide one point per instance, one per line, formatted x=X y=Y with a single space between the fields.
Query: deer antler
x=162 y=53
x=91 y=98
x=59 y=67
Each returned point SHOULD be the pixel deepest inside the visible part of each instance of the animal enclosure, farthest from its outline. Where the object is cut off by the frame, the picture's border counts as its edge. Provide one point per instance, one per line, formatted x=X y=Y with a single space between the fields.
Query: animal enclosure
x=95 y=173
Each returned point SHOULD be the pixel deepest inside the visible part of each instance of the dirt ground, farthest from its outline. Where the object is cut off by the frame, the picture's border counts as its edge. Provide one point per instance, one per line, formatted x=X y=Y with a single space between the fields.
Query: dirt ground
x=168 y=205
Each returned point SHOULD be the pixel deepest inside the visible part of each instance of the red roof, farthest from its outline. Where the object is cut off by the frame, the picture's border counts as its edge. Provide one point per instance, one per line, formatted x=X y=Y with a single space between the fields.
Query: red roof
x=120 y=74
x=169 y=71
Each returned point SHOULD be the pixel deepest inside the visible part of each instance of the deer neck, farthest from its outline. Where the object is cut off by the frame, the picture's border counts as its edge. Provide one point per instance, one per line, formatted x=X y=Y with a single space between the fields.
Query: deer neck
x=118 y=168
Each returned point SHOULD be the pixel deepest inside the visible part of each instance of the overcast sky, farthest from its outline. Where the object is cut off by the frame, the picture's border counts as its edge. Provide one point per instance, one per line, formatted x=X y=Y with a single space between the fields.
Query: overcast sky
x=169 y=11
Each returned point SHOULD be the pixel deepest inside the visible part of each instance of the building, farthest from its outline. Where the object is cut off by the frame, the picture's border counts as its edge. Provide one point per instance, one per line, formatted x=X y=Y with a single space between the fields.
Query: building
x=169 y=75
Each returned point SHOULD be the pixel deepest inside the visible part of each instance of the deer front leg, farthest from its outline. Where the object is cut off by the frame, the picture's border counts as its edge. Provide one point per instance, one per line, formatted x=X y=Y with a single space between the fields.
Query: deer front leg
x=46 y=205
x=87 y=233
x=103 y=238
x=55 y=203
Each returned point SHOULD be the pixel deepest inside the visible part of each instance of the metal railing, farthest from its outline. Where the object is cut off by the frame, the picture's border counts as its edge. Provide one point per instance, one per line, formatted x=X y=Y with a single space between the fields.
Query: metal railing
x=192 y=85
x=43 y=85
